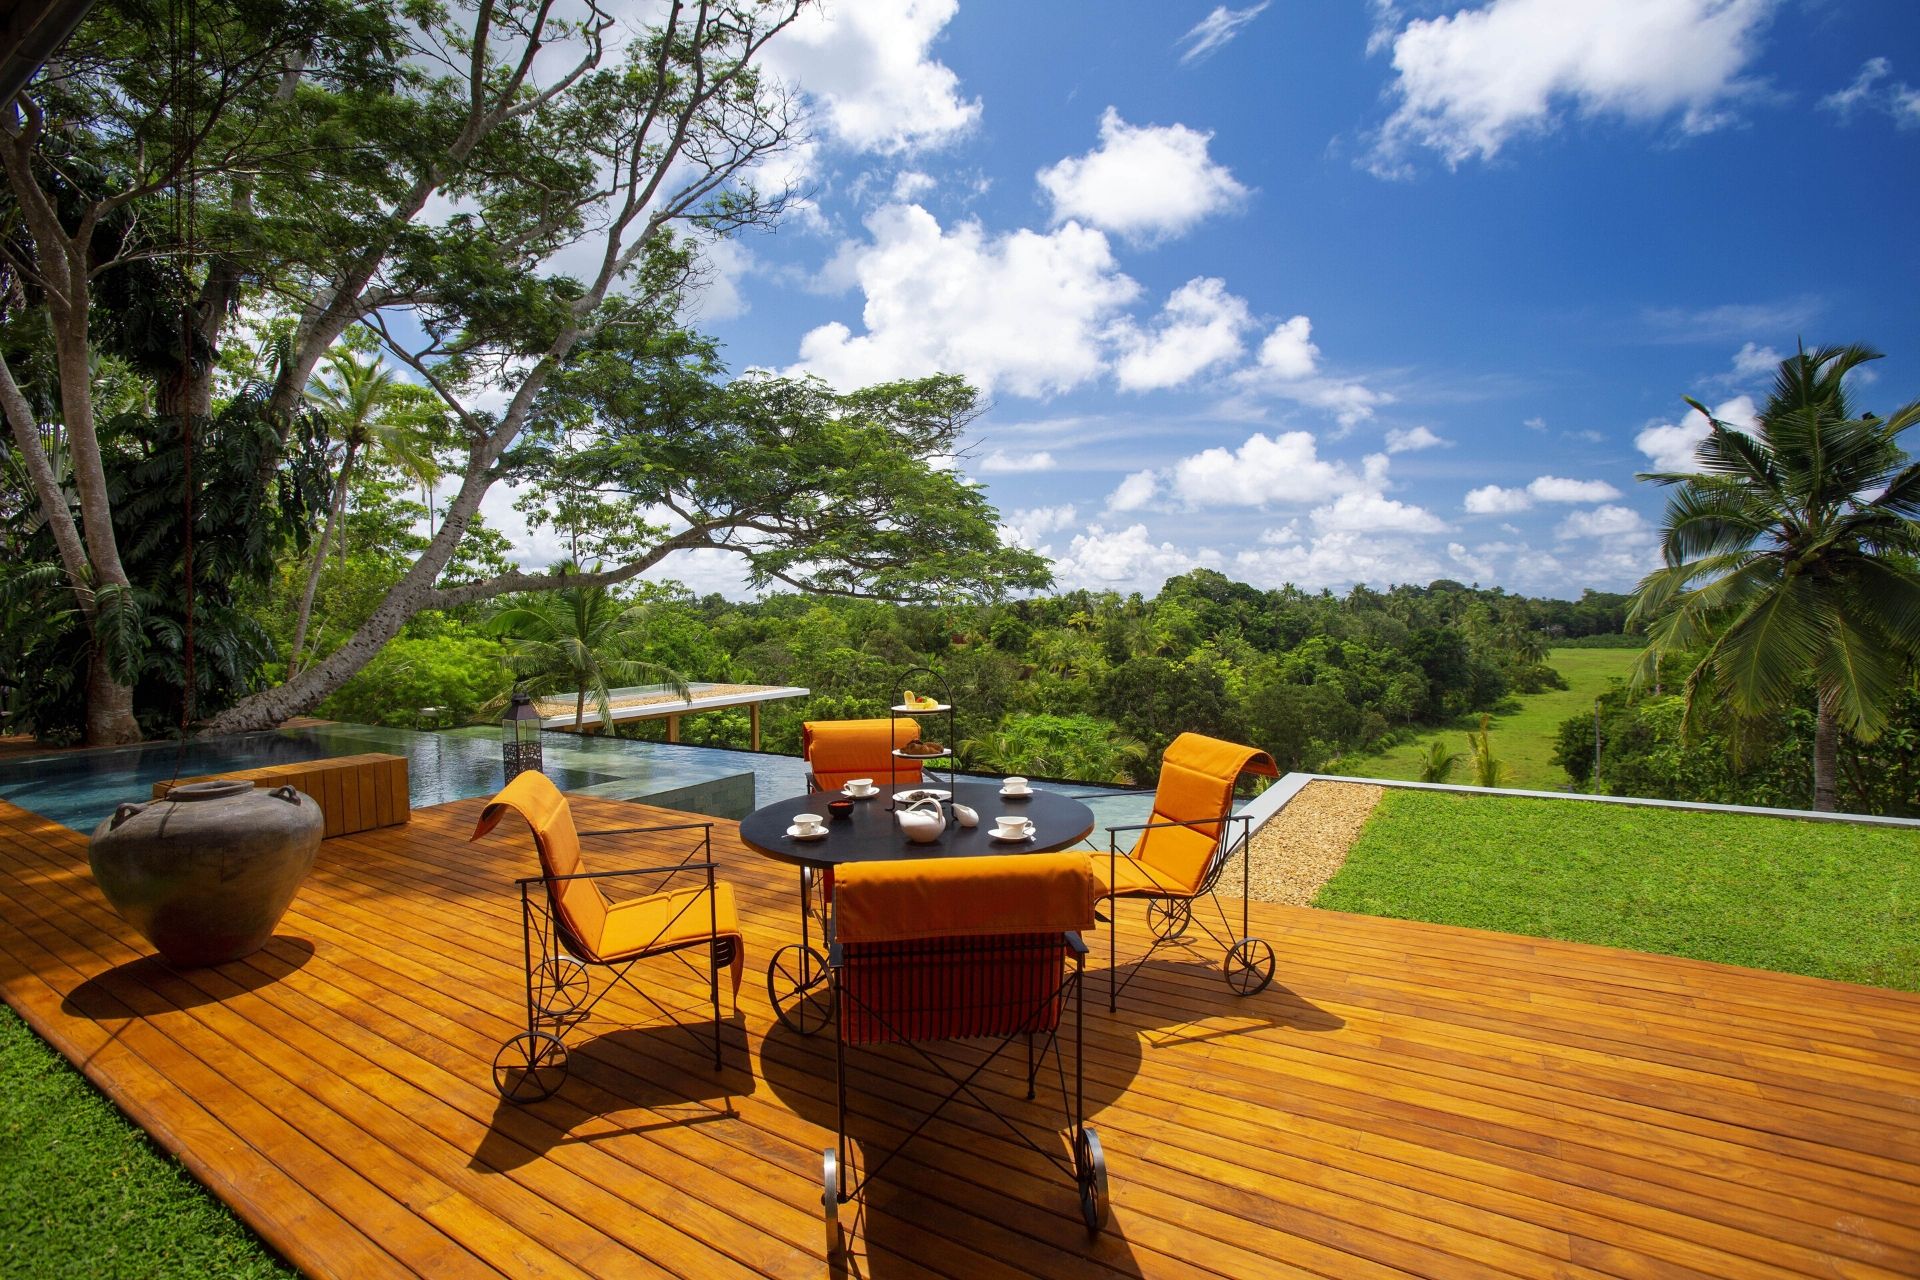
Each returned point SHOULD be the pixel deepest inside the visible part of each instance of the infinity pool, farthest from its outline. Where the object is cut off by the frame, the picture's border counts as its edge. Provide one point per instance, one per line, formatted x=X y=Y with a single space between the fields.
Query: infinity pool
x=80 y=788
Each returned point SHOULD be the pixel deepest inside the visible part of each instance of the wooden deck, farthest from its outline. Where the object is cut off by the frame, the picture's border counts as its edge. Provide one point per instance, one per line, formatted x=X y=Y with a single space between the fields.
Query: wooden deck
x=1405 y=1099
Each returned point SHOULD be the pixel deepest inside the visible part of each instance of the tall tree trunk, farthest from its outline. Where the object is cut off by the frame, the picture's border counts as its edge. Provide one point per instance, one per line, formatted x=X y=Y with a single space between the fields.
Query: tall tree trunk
x=110 y=719
x=319 y=559
x=580 y=711
x=1826 y=754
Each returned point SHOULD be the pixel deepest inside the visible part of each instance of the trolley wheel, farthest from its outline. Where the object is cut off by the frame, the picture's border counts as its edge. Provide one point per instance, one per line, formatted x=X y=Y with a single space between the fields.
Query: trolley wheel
x=530 y=1066
x=830 y=1202
x=560 y=986
x=799 y=989
x=1168 y=918
x=1090 y=1172
x=1249 y=966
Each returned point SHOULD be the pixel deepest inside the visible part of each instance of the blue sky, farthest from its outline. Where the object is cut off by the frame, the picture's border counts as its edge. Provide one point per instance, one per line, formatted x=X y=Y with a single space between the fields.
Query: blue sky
x=1337 y=292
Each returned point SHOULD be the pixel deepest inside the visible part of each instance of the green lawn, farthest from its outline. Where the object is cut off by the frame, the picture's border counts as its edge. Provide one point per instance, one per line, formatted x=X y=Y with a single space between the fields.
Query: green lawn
x=87 y=1194
x=1523 y=740
x=1828 y=900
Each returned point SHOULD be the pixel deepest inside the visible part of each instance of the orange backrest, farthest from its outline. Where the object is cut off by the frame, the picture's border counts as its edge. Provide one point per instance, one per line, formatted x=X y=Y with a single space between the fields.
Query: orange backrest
x=839 y=750
x=940 y=948
x=581 y=907
x=1197 y=775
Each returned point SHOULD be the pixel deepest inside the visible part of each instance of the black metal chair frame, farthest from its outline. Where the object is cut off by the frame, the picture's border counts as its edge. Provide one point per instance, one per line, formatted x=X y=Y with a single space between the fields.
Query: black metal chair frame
x=1087 y=1169
x=1248 y=964
x=532 y=1065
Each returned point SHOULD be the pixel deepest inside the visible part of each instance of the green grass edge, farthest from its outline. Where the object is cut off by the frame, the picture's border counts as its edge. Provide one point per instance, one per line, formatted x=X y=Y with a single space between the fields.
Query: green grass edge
x=88 y=1193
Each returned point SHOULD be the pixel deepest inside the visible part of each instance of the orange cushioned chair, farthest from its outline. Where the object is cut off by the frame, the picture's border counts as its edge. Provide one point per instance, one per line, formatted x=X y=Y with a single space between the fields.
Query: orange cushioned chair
x=572 y=925
x=957 y=948
x=838 y=751
x=1179 y=854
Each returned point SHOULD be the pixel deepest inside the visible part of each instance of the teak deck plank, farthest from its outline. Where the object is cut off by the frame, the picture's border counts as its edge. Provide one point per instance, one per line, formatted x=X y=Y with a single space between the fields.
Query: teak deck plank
x=1407 y=1099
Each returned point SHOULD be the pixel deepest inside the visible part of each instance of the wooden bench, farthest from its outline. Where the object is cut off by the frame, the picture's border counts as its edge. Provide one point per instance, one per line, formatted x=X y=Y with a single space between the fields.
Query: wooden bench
x=355 y=793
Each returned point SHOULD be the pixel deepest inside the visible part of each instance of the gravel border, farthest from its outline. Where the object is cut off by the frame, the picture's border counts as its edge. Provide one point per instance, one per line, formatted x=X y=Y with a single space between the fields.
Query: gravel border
x=1298 y=850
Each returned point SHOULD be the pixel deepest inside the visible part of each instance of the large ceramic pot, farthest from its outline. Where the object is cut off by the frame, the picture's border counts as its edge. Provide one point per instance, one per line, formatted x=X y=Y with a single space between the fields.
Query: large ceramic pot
x=207 y=872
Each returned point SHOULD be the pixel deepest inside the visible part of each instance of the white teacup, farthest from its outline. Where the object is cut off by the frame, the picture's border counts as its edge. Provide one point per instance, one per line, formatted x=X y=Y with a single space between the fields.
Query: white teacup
x=1014 y=786
x=1012 y=827
x=808 y=823
x=860 y=787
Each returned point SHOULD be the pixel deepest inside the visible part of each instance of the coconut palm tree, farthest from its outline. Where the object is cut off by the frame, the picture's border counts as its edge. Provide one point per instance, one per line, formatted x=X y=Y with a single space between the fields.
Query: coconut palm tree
x=569 y=640
x=1790 y=553
x=1438 y=764
x=362 y=403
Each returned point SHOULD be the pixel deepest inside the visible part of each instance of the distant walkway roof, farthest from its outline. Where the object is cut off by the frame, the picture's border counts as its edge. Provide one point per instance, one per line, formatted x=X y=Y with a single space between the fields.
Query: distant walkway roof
x=657 y=702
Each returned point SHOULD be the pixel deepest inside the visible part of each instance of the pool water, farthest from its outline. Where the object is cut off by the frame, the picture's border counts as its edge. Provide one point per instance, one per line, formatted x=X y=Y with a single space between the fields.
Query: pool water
x=78 y=789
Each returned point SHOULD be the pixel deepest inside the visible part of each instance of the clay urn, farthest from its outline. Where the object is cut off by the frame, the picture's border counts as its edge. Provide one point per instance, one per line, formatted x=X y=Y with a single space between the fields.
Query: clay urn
x=206 y=873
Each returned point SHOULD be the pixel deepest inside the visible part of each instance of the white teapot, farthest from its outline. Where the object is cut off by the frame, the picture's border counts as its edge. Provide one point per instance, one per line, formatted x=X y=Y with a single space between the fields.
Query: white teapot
x=922 y=821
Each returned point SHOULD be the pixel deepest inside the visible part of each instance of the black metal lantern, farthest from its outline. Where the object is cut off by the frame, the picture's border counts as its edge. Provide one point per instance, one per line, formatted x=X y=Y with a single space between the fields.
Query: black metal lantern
x=520 y=737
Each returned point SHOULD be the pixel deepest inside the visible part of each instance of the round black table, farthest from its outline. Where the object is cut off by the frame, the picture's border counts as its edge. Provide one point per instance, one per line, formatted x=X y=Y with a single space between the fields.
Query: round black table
x=871 y=834
x=796 y=975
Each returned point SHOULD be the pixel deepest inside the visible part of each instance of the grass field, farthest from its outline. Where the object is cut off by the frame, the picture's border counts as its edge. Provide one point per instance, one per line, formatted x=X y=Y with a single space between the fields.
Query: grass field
x=1524 y=739
x=1826 y=900
x=87 y=1194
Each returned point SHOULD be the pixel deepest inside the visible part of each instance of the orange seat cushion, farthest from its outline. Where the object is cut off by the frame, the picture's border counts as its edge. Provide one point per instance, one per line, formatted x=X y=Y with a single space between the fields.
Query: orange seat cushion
x=964 y=897
x=1197 y=776
x=608 y=933
x=838 y=751
x=1135 y=879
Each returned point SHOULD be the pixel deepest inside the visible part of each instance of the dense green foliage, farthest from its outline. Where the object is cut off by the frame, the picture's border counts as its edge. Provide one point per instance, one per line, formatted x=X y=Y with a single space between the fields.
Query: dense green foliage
x=88 y=1195
x=1827 y=900
x=1647 y=749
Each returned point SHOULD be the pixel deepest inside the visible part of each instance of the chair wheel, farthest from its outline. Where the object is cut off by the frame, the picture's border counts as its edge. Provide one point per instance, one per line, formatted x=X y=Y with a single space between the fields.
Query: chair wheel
x=799 y=989
x=830 y=1203
x=560 y=986
x=1090 y=1172
x=1168 y=918
x=529 y=1067
x=1249 y=966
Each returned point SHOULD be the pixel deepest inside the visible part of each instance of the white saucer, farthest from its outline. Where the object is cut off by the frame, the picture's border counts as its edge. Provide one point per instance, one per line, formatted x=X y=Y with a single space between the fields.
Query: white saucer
x=797 y=834
x=1011 y=839
x=859 y=795
x=923 y=793
x=1017 y=795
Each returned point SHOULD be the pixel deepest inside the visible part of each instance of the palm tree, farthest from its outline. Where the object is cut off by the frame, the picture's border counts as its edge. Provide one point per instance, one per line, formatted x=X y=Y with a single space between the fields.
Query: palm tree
x=360 y=405
x=1438 y=764
x=568 y=639
x=1488 y=769
x=1791 y=552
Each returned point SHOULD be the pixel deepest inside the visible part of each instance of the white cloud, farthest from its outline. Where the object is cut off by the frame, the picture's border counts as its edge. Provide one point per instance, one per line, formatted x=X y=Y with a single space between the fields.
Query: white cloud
x=910 y=184
x=1288 y=352
x=1535 y=424
x=1602 y=522
x=1136 y=491
x=1283 y=470
x=1199 y=327
x=1216 y=29
x=716 y=295
x=1030 y=526
x=1371 y=513
x=1752 y=361
x=868 y=69
x=1141 y=182
x=1125 y=559
x=1287 y=367
x=1670 y=446
x=1897 y=99
x=1412 y=440
x=1471 y=82
x=1024 y=312
x=1000 y=462
x=1337 y=559
x=1559 y=489
x=1493 y=500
